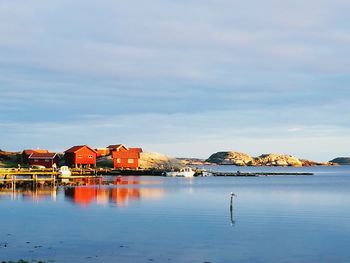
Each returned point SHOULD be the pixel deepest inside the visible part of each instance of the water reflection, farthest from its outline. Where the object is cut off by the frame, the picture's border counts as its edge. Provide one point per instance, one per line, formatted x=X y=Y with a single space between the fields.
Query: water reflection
x=118 y=190
x=85 y=196
x=30 y=194
x=85 y=191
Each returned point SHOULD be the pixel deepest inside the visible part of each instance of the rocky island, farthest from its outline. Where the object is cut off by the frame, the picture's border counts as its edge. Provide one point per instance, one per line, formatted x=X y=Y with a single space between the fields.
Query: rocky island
x=243 y=159
x=341 y=160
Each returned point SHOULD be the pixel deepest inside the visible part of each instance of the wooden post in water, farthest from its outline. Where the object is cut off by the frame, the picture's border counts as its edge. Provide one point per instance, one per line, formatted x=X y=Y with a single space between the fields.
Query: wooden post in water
x=231 y=208
x=13 y=183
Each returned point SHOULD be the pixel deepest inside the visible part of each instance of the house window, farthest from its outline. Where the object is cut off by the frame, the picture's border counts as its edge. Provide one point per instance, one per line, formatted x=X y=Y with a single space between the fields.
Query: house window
x=130 y=160
x=46 y=160
x=80 y=156
x=119 y=161
x=36 y=160
x=90 y=156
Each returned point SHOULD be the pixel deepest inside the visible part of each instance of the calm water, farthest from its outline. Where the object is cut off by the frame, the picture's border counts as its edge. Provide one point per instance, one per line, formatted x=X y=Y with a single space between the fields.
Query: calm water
x=157 y=219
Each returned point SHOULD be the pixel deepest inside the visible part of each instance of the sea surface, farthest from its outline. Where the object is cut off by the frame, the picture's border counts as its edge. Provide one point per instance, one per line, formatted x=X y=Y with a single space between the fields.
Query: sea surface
x=160 y=219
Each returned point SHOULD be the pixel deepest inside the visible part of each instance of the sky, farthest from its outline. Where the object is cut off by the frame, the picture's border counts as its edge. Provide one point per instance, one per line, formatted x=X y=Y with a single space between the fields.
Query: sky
x=183 y=78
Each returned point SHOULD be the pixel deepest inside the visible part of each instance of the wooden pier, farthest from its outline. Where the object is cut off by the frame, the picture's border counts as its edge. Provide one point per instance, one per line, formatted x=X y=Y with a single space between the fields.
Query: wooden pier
x=14 y=178
x=11 y=178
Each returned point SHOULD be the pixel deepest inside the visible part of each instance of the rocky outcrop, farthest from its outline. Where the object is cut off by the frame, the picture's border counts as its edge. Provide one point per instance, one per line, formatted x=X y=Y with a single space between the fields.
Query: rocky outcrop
x=277 y=160
x=341 y=160
x=242 y=159
x=151 y=160
x=233 y=158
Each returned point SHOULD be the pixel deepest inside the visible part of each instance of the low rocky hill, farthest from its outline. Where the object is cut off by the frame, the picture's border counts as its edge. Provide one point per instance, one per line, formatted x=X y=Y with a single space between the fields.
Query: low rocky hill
x=9 y=159
x=234 y=158
x=277 y=160
x=243 y=159
x=152 y=160
x=341 y=161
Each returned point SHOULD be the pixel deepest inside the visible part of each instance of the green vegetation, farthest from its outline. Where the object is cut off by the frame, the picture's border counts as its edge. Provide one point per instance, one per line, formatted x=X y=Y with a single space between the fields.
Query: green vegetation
x=9 y=159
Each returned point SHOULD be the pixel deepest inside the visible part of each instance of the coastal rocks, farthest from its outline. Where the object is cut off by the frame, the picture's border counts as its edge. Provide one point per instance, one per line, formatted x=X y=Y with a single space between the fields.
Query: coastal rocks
x=243 y=159
x=233 y=158
x=277 y=160
x=152 y=160
x=341 y=160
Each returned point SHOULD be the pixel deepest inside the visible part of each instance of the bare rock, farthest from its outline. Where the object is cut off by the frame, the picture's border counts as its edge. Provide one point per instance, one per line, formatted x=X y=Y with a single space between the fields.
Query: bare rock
x=277 y=160
x=152 y=160
x=233 y=158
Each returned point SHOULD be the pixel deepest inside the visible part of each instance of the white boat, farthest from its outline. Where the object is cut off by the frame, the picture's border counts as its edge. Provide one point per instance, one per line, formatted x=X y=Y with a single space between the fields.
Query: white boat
x=185 y=172
x=65 y=172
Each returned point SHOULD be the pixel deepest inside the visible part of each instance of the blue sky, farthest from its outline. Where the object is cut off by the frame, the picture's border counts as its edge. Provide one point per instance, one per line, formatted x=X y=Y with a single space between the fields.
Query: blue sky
x=185 y=78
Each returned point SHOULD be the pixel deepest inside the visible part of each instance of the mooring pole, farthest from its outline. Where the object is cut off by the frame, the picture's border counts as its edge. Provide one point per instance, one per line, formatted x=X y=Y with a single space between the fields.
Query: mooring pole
x=231 y=207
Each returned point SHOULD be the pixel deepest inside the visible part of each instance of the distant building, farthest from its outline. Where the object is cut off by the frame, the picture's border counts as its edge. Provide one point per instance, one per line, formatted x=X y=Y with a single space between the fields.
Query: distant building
x=43 y=159
x=125 y=158
x=81 y=156
x=102 y=152
x=28 y=152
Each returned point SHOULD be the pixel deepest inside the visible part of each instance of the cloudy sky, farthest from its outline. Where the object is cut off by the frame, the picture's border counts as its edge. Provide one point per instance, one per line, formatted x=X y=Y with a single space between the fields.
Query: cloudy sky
x=185 y=78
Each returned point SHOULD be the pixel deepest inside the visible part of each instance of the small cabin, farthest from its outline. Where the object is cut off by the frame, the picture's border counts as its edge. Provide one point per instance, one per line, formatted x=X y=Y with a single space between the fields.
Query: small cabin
x=124 y=157
x=26 y=153
x=81 y=156
x=48 y=160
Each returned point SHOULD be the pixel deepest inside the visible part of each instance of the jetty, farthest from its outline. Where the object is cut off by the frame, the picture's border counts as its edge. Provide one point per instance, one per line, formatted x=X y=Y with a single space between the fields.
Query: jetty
x=11 y=178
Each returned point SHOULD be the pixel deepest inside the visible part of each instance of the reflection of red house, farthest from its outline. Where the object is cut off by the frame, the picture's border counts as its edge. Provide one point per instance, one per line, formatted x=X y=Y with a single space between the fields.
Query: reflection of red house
x=125 y=158
x=43 y=159
x=80 y=156
x=27 y=153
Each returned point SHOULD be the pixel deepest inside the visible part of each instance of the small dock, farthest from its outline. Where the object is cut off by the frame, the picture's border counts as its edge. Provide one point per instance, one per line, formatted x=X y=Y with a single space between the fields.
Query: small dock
x=11 y=178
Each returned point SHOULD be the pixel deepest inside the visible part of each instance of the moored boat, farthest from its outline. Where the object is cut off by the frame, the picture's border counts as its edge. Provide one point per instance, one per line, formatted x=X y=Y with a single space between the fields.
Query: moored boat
x=185 y=172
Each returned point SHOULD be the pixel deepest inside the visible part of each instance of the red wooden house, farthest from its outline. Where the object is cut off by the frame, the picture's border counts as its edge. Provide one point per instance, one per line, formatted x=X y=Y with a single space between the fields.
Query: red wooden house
x=81 y=156
x=125 y=158
x=28 y=152
x=43 y=159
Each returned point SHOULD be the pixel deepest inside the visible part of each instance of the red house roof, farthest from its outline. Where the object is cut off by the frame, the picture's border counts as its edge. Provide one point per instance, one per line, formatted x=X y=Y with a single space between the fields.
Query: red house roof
x=36 y=155
x=74 y=149
x=29 y=151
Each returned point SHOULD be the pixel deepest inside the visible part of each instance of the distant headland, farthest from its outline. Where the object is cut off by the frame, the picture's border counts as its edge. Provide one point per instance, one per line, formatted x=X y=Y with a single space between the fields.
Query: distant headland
x=271 y=159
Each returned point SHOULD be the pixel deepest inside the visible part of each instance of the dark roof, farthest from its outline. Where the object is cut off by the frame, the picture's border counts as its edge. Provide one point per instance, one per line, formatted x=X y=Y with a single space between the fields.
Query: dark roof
x=136 y=149
x=77 y=148
x=116 y=146
x=36 y=155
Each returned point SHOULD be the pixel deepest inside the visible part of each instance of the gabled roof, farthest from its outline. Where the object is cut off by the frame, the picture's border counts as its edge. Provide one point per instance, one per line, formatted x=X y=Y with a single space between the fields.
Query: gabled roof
x=36 y=155
x=30 y=151
x=116 y=146
x=77 y=148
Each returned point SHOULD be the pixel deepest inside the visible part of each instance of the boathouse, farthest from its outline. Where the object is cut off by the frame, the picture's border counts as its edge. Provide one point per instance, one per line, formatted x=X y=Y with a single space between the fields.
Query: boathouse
x=81 y=156
x=48 y=160
x=124 y=157
x=28 y=152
